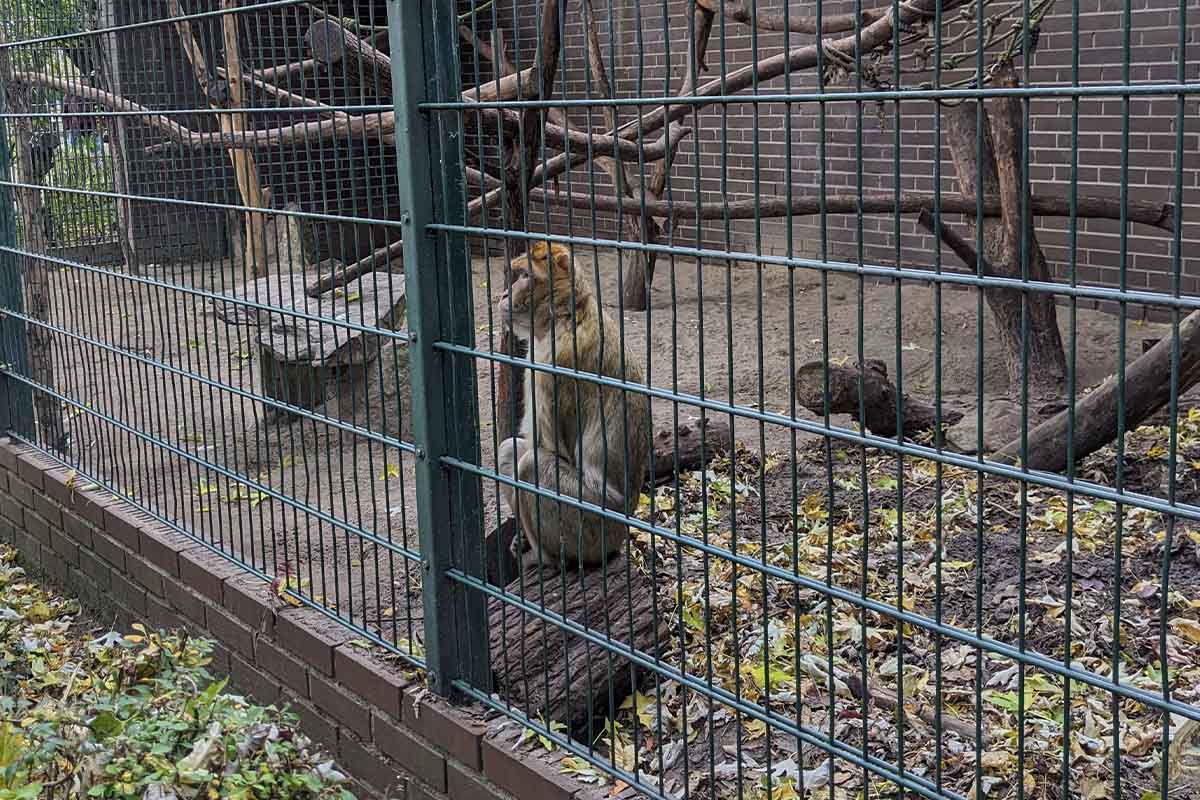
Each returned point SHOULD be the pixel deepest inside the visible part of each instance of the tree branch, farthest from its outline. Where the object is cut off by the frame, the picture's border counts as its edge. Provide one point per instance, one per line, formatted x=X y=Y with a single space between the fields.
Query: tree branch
x=1152 y=214
x=775 y=21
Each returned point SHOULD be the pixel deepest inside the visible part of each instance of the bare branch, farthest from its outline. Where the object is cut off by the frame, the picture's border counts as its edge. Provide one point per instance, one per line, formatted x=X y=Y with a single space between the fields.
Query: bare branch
x=954 y=240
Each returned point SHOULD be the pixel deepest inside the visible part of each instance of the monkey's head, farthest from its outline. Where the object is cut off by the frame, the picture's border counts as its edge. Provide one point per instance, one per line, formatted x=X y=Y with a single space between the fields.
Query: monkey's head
x=543 y=289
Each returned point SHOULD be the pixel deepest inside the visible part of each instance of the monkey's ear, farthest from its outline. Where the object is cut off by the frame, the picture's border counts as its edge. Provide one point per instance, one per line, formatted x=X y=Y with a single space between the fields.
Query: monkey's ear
x=562 y=258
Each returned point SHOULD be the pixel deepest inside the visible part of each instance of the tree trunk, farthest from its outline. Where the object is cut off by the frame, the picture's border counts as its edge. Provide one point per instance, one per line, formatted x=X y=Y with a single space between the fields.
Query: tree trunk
x=37 y=270
x=978 y=157
x=1047 y=362
x=1147 y=389
x=559 y=676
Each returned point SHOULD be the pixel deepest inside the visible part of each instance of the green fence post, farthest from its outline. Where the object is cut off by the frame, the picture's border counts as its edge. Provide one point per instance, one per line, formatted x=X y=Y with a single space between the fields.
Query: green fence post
x=438 y=287
x=16 y=397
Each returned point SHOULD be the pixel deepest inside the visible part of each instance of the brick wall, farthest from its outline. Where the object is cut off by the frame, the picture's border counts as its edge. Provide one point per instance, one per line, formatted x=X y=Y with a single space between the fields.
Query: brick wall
x=724 y=148
x=386 y=732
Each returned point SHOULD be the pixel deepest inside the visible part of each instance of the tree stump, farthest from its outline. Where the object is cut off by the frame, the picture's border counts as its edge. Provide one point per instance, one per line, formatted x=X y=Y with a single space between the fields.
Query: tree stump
x=878 y=407
x=302 y=358
x=555 y=674
x=690 y=446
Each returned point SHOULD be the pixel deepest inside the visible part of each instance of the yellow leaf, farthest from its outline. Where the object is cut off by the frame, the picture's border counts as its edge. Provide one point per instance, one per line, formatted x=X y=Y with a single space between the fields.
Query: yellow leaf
x=1187 y=628
x=390 y=471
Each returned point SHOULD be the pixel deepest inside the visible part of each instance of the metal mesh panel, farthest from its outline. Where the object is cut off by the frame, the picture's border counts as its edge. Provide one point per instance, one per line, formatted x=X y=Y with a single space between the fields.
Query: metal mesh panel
x=841 y=378
x=181 y=354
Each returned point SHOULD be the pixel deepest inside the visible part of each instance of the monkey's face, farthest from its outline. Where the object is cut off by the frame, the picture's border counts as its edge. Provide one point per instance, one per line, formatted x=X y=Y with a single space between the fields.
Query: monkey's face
x=541 y=284
x=514 y=305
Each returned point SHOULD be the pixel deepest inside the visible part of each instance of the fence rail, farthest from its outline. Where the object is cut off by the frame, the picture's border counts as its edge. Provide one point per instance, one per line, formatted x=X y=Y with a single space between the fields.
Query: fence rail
x=744 y=411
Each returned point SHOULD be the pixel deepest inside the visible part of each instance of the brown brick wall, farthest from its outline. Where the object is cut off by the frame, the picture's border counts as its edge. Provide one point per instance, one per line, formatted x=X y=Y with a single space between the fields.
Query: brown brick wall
x=395 y=740
x=724 y=147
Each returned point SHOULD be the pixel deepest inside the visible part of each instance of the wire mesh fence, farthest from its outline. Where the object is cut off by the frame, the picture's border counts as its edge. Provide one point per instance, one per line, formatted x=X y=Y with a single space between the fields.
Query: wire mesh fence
x=752 y=399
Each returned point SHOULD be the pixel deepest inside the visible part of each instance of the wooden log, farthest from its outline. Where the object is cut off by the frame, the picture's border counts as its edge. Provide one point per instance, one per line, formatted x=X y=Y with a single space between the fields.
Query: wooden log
x=1158 y=215
x=390 y=255
x=878 y=407
x=560 y=137
x=688 y=447
x=557 y=675
x=1147 y=389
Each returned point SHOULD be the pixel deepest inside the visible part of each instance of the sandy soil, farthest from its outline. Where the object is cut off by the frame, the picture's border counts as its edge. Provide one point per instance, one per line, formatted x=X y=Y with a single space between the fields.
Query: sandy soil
x=335 y=506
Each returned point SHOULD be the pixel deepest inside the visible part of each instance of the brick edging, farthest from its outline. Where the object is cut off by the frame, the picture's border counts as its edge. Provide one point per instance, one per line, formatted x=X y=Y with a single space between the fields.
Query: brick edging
x=395 y=740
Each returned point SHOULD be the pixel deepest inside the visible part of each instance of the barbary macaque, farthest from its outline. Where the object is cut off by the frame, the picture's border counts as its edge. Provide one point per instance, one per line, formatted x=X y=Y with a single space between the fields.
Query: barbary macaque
x=578 y=438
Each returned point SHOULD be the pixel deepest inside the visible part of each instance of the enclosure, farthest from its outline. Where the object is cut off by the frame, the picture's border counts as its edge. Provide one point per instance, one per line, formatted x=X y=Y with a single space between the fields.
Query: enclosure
x=877 y=327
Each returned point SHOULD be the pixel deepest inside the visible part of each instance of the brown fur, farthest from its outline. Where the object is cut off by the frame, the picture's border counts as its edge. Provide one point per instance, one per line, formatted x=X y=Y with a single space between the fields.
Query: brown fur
x=568 y=422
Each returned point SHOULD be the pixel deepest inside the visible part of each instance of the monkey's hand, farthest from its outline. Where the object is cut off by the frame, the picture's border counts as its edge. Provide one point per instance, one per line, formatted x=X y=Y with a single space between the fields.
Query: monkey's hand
x=504 y=311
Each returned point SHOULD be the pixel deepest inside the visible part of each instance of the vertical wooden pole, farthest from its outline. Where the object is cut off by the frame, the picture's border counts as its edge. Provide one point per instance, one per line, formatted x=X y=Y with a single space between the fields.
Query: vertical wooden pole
x=118 y=136
x=244 y=162
x=245 y=166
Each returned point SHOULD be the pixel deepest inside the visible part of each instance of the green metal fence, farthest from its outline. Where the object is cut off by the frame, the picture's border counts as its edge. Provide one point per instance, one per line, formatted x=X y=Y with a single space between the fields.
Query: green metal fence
x=792 y=336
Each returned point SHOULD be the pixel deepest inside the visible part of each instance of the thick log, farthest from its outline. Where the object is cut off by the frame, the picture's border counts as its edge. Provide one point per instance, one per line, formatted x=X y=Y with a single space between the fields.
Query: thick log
x=688 y=447
x=1147 y=389
x=1158 y=215
x=878 y=408
x=36 y=271
x=560 y=676
x=560 y=137
x=285 y=97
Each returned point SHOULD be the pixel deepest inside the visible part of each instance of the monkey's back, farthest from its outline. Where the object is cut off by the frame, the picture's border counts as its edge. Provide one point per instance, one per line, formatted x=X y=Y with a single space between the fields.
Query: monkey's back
x=586 y=415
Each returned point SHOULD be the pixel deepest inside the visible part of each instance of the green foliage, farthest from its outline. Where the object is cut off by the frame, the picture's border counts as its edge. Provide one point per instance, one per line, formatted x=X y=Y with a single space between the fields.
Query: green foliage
x=79 y=218
x=134 y=716
x=36 y=19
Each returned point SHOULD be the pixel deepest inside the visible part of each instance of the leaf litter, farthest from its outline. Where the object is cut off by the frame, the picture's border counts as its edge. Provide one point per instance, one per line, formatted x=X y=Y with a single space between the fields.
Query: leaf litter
x=134 y=716
x=936 y=541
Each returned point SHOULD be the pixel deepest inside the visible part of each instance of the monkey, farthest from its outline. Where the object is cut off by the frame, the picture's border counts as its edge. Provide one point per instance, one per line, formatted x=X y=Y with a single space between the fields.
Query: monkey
x=574 y=432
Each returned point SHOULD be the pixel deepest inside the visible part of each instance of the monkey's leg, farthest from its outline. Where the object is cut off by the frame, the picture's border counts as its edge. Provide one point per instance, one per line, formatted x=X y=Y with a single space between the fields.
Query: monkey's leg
x=561 y=530
x=549 y=525
x=508 y=456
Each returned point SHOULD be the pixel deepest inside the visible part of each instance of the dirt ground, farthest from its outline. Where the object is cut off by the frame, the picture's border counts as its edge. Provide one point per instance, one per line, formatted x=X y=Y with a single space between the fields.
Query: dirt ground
x=330 y=500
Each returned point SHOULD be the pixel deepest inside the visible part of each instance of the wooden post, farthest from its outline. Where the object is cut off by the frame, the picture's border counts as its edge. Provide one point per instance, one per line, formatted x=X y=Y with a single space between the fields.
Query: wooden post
x=37 y=270
x=245 y=166
x=118 y=136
